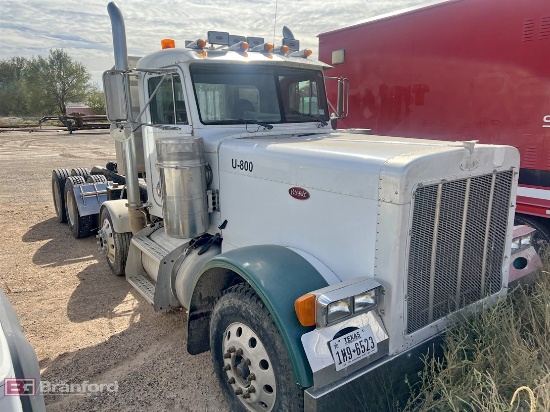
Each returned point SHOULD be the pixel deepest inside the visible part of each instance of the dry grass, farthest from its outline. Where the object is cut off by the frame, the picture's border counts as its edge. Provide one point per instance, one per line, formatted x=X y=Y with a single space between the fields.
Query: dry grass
x=490 y=356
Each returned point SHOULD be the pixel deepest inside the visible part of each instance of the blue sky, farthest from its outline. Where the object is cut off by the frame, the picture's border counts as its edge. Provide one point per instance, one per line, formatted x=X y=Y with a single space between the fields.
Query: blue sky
x=82 y=28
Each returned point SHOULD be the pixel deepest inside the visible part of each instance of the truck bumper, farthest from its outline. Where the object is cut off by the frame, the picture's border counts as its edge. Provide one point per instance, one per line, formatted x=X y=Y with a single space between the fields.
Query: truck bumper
x=525 y=266
x=384 y=385
x=525 y=263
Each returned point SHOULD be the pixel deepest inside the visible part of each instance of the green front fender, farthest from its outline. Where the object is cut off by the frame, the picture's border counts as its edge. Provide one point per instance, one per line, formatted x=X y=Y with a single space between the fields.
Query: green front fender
x=279 y=276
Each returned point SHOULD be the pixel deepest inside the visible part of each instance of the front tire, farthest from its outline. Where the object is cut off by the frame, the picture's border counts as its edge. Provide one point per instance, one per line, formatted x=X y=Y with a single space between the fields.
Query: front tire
x=249 y=357
x=114 y=245
x=81 y=226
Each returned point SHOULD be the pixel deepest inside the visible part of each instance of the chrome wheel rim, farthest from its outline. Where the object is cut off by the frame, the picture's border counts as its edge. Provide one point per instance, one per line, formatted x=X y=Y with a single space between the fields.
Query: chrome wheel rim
x=248 y=368
x=57 y=199
x=70 y=208
x=107 y=240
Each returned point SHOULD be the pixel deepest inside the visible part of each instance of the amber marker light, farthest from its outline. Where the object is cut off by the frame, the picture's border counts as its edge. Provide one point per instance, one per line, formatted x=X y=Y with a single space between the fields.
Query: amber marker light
x=305 y=309
x=201 y=53
x=268 y=47
x=284 y=49
x=244 y=46
x=307 y=53
x=201 y=43
x=167 y=43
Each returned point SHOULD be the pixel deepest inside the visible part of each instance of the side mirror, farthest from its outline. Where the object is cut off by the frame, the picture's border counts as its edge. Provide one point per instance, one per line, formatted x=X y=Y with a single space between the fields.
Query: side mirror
x=342 y=104
x=114 y=86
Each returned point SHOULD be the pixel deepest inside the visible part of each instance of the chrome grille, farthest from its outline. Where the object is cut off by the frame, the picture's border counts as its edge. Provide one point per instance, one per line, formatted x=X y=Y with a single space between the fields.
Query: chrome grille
x=457 y=245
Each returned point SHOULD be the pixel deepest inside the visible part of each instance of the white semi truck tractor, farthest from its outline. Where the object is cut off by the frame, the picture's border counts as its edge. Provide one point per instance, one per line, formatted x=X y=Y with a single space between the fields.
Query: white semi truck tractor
x=316 y=266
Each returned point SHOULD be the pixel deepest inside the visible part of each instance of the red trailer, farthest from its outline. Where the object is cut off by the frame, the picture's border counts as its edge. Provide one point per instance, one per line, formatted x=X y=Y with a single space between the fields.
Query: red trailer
x=455 y=70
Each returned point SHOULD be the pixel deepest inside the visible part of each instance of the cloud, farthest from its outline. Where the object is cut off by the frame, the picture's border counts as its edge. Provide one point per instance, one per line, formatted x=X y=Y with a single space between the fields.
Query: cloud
x=31 y=27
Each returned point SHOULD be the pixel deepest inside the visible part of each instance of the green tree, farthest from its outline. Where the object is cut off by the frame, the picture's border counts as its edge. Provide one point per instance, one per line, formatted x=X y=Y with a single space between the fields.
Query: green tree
x=12 y=97
x=96 y=100
x=53 y=81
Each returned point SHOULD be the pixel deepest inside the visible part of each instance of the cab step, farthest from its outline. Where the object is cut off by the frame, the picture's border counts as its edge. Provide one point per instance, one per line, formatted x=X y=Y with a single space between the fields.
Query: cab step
x=144 y=286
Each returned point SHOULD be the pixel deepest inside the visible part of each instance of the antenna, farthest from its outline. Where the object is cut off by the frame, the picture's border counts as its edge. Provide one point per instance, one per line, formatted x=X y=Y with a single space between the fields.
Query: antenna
x=275 y=21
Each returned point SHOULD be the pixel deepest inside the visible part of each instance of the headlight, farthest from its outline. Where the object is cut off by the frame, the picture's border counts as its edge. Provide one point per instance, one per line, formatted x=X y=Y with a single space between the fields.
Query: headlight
x=338 y=310
x=364 y=301
x=522 y=238
x=337 y=302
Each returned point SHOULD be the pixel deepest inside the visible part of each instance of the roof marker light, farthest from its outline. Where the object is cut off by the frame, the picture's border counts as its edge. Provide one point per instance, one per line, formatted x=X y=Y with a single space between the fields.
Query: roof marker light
x=283 y=50
x=241 y=47
x=197 y=44
x=305 y=53
x=264 y=48
x=167 y=44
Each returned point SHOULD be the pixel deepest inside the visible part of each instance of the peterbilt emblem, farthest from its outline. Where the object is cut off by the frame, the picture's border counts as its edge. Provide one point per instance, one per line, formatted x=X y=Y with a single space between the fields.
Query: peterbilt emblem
x=298 y=193
x=470 y=163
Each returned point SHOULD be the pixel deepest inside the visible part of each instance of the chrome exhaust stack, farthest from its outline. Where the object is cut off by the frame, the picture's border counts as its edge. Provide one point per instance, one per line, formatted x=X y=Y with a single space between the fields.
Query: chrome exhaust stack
x=137 y=217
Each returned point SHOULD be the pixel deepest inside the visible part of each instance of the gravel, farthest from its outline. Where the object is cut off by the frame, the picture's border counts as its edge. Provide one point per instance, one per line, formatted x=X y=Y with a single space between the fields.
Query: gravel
x=86 y=324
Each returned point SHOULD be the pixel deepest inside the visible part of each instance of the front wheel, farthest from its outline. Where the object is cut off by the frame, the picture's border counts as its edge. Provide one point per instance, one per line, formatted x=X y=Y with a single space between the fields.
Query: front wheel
x=113 y=244
x=249 y=357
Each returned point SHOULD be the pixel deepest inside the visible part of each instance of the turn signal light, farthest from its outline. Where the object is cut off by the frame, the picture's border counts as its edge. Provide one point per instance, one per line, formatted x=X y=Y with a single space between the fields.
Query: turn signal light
x=305 y=309
x=268 y=47
x=167 y=43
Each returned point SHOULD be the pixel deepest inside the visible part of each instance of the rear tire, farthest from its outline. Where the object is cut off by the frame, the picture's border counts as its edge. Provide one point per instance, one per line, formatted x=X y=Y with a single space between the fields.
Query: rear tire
x=115 y=245
x=249 y=357
x=81 y=226
x=541 y=239
x=80 y=171
x=58 y=191
x=96 y=179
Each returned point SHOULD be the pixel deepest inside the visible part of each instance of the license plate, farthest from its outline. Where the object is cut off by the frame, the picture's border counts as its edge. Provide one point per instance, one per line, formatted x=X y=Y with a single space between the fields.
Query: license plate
x=352 y=347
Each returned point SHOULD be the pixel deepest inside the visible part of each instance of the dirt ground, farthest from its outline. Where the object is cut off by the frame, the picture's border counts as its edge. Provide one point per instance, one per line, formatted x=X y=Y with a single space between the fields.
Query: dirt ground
x=84 y=323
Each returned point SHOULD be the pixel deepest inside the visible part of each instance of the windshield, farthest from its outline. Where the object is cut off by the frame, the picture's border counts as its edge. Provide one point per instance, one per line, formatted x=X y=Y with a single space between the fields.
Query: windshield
x=230 y=93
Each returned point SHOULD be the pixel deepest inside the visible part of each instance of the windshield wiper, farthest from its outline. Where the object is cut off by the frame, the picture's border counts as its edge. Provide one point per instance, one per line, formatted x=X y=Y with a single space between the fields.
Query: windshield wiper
x=242 y=121
x=313 y=116
x=263 y=124
x=226 y=121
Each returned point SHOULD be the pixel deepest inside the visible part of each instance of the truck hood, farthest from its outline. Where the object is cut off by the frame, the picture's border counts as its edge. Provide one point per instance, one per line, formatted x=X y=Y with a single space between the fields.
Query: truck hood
x=373 y=167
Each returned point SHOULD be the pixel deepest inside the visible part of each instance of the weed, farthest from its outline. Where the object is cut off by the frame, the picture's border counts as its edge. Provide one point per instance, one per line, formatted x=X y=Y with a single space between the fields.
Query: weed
x=496 y=356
